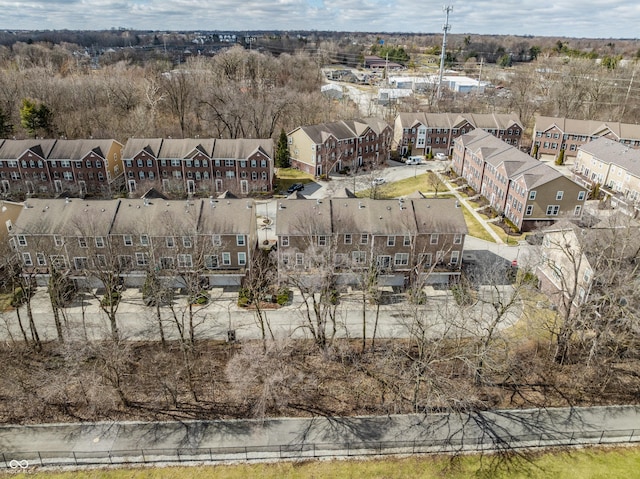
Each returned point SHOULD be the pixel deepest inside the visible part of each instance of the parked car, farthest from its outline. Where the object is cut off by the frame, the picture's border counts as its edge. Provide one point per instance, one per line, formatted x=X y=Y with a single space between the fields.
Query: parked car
x=295 y=187
x=378 y=181
x=441 y=156
x=413 y=160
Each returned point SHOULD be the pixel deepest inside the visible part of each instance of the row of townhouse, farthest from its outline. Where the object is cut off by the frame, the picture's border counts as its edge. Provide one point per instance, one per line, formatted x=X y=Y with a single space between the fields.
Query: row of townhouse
x=331 y=147
x=408 y=239
x=104 y=167
x=129 y=237
x=216 y=238
x=76 y=167
x=199 y=166
x=614 y=166
x=525 y=190
x=425 y=133
x=551 y=135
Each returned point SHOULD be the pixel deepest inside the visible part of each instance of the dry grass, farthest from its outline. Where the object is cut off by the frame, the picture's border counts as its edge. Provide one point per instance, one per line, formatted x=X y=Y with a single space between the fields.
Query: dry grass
x=424 y=182
x=5 y=301
x=475 y=228
x=292 y=174
x=285 y=177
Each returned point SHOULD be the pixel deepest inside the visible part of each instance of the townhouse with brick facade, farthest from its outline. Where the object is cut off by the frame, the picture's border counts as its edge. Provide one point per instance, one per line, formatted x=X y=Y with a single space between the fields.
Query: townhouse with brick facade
x=430 y=133
x=54 y=167
x=332 y=147
x=404 y=239
x=551 y=135
x=212 y=238
x=523 y=189
x=199 y=166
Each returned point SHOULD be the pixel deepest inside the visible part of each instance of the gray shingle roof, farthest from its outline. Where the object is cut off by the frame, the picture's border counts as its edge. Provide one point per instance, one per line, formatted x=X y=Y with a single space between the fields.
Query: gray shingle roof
x=343 y=129
x=516 y=163
x=73 y=217
x=623 y=131
x=136 y=145
x=378 y=217
x=78 y=149
x=183 y=148
x=614 y=153
x=12 y=149
x=241 y=148
x=487 y=121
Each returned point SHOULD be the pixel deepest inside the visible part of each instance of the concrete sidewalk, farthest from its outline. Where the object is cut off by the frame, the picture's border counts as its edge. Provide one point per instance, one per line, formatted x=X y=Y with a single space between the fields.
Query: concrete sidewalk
x=471 y=210
x=241 y=440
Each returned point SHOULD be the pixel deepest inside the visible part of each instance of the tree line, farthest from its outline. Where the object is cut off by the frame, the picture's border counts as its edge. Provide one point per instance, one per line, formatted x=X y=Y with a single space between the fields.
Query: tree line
x=237 y=93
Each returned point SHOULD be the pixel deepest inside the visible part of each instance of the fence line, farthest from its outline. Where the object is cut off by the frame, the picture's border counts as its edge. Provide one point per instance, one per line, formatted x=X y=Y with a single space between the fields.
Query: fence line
x=24 y=459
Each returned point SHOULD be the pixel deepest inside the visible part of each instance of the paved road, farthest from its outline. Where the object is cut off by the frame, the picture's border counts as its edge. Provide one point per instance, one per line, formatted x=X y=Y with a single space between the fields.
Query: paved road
x=393 y=172
x=139 y=322
x=314 y=437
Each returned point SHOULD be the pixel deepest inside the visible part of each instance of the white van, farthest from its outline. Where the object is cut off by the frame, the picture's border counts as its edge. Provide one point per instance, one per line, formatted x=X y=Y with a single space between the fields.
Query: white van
x=414 y=160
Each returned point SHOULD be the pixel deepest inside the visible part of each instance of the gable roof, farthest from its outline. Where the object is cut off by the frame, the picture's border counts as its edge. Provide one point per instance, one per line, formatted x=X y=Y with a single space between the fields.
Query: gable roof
x=79 y=149
x=69 y=217
x=517 y=164
x=13 y=149
x=485 y=121
x=242 y=148
x=377 y=217
x=622 y=131
x=342 y=130
x=135 y=145
x=615 y=153
x=184 y=147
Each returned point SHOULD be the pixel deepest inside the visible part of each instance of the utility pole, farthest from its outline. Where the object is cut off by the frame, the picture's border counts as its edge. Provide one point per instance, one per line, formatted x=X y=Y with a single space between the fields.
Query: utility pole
x=626 y=98
x=479 y=76
x=445 y=28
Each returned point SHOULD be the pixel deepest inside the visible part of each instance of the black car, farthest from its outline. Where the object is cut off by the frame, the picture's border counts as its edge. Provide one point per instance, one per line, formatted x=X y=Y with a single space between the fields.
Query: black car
x=295 y=187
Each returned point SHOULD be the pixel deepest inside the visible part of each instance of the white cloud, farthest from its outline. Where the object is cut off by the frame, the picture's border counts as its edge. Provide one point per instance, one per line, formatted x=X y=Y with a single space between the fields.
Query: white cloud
x=589 y=18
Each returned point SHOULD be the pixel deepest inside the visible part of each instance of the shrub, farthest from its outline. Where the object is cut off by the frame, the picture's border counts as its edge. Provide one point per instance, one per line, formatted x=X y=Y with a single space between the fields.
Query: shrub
x=18 y=297
x=200 y=298
x=284 y=296
x=462 y=295
x=110 y=299
x=511 y=225
x=244 y=297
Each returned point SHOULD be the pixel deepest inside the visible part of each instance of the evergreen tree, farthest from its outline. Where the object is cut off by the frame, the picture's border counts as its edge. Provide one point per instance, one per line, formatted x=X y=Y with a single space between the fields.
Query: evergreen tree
x=6 y=128
x=282 y=151
x=34 y=117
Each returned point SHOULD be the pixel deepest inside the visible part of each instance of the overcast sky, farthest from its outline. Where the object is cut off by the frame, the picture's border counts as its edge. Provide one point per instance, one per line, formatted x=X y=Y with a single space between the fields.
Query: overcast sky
x=570 y=18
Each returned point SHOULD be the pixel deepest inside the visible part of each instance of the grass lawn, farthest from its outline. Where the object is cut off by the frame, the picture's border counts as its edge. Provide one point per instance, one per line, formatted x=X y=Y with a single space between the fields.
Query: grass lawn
x=424 y=182
x=573 y=464
x=292 y=174
x=508 y=239
x=5 y=301
x=475 y=228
